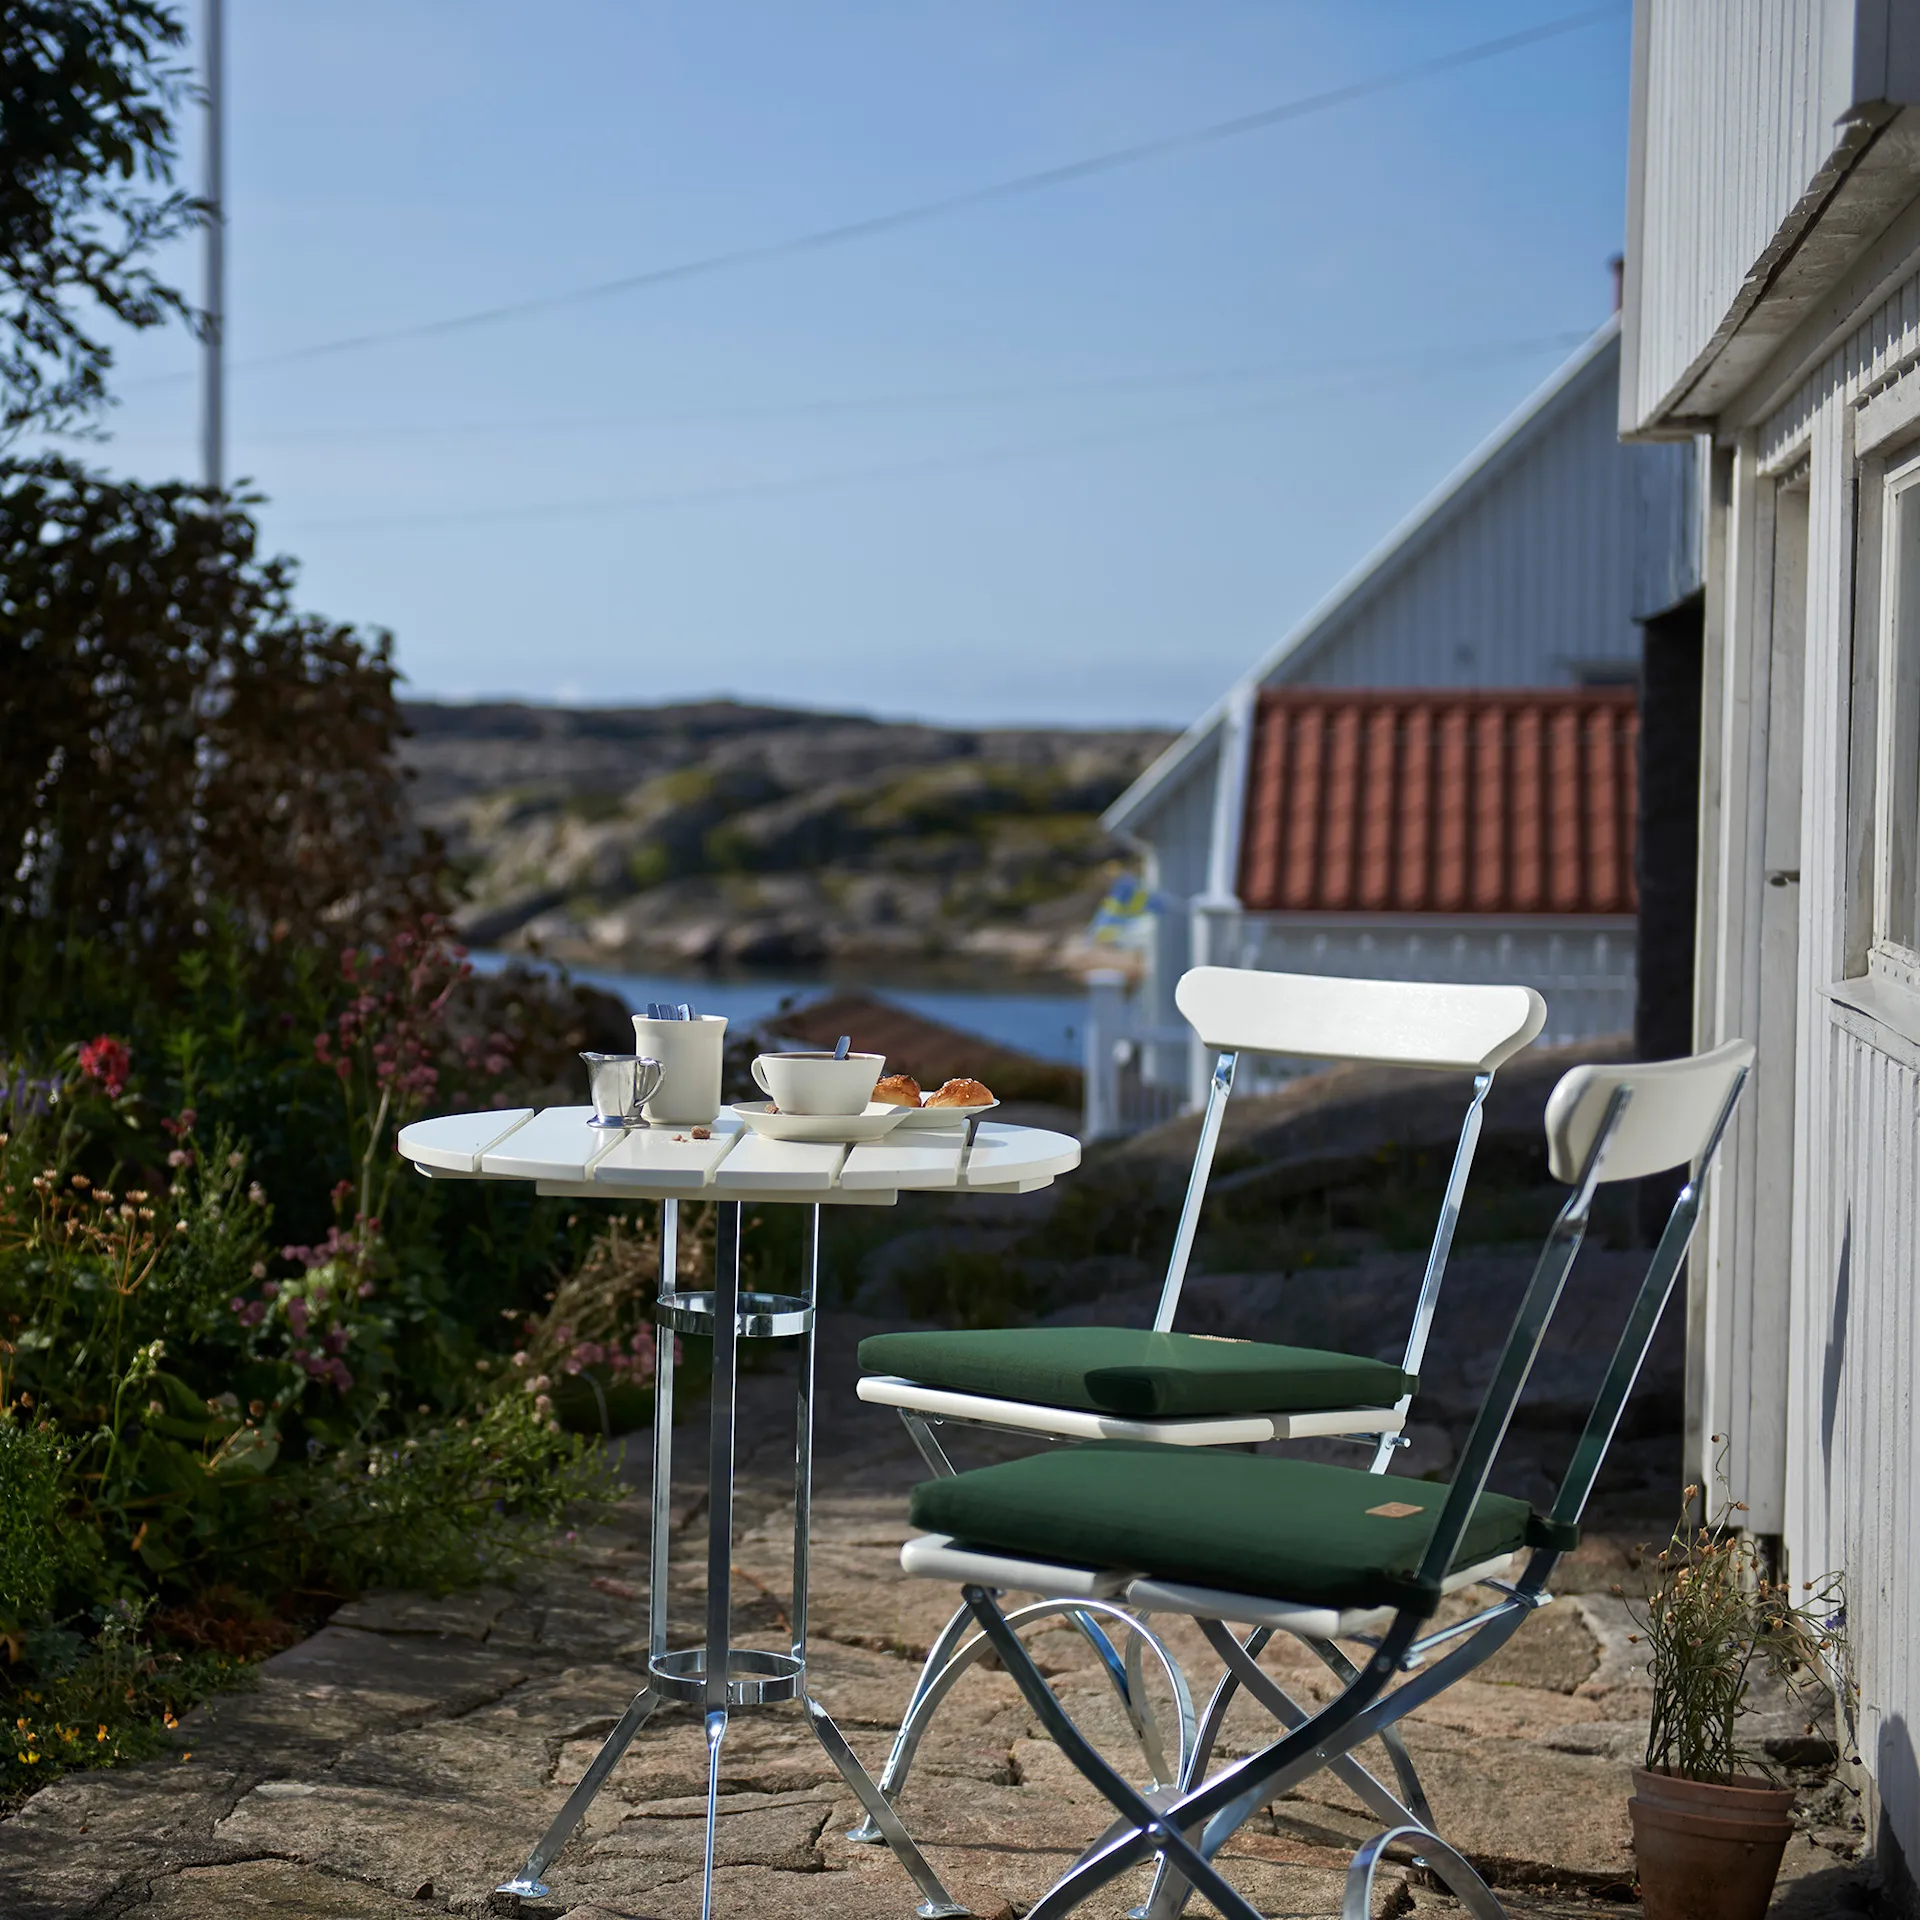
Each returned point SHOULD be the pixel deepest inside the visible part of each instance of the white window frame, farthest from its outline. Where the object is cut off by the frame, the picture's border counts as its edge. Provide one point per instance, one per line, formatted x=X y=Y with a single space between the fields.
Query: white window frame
x=1893 y=954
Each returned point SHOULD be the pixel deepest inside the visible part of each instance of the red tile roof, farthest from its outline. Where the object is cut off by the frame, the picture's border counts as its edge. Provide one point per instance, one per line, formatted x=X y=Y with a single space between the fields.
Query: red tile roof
x=1455 y=802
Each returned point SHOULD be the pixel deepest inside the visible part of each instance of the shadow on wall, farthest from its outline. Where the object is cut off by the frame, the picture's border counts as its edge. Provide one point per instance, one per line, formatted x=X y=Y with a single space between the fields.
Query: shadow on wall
x=1897 y=1775
x=1835 y=1361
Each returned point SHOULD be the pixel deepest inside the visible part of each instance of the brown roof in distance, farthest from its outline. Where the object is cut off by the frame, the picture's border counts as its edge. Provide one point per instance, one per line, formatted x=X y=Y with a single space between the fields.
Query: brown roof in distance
x=1369 y=800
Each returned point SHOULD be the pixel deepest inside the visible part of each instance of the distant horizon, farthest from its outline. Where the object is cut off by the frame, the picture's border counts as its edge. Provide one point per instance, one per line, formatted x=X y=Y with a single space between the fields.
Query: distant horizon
x=411 y=699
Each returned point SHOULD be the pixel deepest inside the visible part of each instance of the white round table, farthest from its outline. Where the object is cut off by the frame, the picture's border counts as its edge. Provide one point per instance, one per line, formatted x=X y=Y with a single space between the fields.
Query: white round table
x=560 y=1154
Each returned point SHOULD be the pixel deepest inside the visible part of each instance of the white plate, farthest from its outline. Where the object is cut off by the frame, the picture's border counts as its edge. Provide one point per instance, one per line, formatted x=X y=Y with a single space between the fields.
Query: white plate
x=824 y=1129
x=919 y=1119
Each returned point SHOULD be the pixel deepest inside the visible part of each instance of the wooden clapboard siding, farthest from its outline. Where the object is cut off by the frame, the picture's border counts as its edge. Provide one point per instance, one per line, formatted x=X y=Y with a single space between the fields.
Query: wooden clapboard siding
x=1810 y=1379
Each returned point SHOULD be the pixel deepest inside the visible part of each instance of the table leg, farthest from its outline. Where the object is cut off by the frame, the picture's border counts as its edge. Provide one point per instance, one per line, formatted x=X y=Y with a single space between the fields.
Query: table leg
x=660 y=1531
x=529 y=1882
x=726 y=1307
x=803 y=1429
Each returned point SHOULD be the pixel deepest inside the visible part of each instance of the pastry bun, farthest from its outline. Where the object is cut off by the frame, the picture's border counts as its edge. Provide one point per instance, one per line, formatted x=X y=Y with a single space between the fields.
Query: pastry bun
x=898 y=1090
x=961 y=1093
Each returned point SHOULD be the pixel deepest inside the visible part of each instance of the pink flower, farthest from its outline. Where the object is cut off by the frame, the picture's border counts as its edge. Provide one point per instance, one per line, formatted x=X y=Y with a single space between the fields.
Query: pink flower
x=106 y=1060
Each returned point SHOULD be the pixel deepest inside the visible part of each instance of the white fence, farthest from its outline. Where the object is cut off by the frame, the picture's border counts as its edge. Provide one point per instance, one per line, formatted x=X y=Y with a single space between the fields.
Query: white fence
x=1140 y=1071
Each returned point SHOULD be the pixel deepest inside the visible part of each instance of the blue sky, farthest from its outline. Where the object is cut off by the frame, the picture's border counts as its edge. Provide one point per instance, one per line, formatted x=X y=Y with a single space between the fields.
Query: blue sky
x=1076 y=456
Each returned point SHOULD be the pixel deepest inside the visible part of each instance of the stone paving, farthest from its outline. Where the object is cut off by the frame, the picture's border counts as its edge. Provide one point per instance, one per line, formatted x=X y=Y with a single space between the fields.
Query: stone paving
x=402 y=1760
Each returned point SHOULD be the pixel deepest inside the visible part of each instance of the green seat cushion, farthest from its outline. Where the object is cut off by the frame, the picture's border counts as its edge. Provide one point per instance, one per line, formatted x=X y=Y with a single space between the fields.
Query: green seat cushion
x=1247 y=1523
x=1141 y=1375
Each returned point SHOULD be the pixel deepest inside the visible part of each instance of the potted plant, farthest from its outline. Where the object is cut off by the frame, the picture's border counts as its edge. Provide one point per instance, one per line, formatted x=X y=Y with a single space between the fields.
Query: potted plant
x=1710 y=1822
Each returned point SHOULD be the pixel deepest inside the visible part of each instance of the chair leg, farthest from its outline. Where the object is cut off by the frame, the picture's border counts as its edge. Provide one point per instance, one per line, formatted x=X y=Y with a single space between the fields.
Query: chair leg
x=893 y=1776
x=1169 y=1893
x=920 y=1431
x=1450 y=1867
x=1151 y=1832
x=948 y=1661
x=1411 y=1791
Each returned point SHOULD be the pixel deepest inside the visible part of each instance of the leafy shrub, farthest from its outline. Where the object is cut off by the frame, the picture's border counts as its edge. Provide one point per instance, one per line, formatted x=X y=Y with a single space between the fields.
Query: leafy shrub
x=30 y=1504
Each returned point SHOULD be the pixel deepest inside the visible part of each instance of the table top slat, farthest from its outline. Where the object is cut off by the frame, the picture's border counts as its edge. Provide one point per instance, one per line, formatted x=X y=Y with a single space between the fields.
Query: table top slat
x=778 y=1166
x=1005 y=1156
x=929 y=1161
x=667 y=1159
x=556 y=1144
x=454 y=1142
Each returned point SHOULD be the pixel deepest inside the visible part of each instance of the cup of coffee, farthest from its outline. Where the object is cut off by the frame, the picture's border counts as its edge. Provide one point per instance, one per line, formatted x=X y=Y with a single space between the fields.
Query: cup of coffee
x=689 y=1052
x=817 y=1082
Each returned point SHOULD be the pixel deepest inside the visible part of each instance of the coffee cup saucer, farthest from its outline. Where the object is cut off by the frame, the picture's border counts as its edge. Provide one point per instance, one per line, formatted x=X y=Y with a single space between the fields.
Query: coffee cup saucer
x=820 y=1129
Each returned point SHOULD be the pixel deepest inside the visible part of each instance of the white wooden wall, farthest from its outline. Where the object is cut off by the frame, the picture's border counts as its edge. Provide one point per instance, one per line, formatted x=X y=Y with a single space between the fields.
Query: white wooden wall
x=1523 y=578
x=1738 y=99
x=1812 y=1373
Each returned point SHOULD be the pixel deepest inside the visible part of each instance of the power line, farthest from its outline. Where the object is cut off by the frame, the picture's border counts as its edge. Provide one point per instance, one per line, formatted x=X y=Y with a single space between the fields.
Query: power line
x=1017 y=186
x=813 y=482
x=1259 y=374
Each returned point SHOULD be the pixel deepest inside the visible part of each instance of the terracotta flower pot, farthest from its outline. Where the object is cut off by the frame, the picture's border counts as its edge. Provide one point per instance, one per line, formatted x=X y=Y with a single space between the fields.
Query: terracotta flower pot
x=1707 y=1849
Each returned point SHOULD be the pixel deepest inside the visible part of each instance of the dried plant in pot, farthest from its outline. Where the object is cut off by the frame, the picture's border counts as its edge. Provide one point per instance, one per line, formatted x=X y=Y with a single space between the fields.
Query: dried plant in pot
x=1710 y=1821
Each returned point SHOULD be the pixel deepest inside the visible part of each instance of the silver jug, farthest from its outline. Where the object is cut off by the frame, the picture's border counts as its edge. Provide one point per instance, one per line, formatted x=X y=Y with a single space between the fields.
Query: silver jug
x=619 y=1083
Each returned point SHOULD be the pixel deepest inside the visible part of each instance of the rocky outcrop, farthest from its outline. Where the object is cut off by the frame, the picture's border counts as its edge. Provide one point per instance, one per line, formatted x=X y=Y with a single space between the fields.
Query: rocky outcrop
x=717 y=834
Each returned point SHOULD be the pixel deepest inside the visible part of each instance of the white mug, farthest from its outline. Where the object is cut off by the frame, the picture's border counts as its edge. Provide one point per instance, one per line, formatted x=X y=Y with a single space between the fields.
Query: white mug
x=689 y=1052
x=817 y=1082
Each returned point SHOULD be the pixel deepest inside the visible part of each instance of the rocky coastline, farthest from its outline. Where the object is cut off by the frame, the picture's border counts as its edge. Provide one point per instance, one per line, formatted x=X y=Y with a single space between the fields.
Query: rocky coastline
x=714 y=836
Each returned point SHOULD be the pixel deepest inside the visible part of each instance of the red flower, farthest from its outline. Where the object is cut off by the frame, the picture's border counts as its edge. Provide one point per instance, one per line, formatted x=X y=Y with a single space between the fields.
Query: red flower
x=106 y=1060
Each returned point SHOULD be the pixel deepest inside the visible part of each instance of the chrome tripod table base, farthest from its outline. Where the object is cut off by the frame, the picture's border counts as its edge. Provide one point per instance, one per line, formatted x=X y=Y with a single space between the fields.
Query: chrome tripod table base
x=720 y=1676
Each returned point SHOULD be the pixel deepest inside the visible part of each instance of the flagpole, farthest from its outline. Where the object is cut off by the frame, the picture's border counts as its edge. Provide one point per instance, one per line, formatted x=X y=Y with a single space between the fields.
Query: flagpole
x=214 y=299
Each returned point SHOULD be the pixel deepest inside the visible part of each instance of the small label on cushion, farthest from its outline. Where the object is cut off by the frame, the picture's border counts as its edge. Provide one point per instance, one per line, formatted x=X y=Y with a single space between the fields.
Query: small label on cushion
x=1395 y=1510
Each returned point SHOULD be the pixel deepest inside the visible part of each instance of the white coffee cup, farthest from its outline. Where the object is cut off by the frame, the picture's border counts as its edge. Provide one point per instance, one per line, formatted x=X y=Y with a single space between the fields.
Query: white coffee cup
x=689 y=1052
x=817 y=1082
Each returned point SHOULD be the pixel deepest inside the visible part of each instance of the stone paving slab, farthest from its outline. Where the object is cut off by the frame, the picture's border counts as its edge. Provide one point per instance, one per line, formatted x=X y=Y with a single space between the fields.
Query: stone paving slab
x=403 y=1759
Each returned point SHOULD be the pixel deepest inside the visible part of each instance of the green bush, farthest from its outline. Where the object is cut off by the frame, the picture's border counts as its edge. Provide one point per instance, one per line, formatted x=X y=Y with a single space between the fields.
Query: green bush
x=31 y=1458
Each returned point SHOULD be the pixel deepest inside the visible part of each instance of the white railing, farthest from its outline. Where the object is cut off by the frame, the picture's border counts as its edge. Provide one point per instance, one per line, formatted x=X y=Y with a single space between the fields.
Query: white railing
x=1123 y=1094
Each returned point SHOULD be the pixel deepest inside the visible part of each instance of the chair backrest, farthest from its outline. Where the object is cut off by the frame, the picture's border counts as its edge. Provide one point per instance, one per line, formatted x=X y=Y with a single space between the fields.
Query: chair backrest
x=1672 y=1110
x=1402 y=1023
x=1417 y=1023
x=1684 y=1107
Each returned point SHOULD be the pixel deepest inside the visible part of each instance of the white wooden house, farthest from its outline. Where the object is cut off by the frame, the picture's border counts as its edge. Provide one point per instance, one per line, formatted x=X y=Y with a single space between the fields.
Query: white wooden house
x=1532 y=567
x=1772 y=306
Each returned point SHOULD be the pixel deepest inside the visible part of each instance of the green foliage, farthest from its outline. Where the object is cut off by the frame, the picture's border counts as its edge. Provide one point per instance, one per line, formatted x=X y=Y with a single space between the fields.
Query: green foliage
x=87 y=99
x=95 y=1699
x=1712 y=1614
x=31 y=1458
x=177 y=734
x=218 y=1385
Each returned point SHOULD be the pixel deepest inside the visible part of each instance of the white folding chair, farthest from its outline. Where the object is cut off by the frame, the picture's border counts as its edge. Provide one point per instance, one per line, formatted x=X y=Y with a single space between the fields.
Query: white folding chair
x=1286 y=1545
x=1166 y=1388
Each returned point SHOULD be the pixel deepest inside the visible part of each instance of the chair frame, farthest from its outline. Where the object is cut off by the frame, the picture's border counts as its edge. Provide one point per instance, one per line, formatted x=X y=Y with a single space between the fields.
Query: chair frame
x=1404 y=1022
x=1186 y=1828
